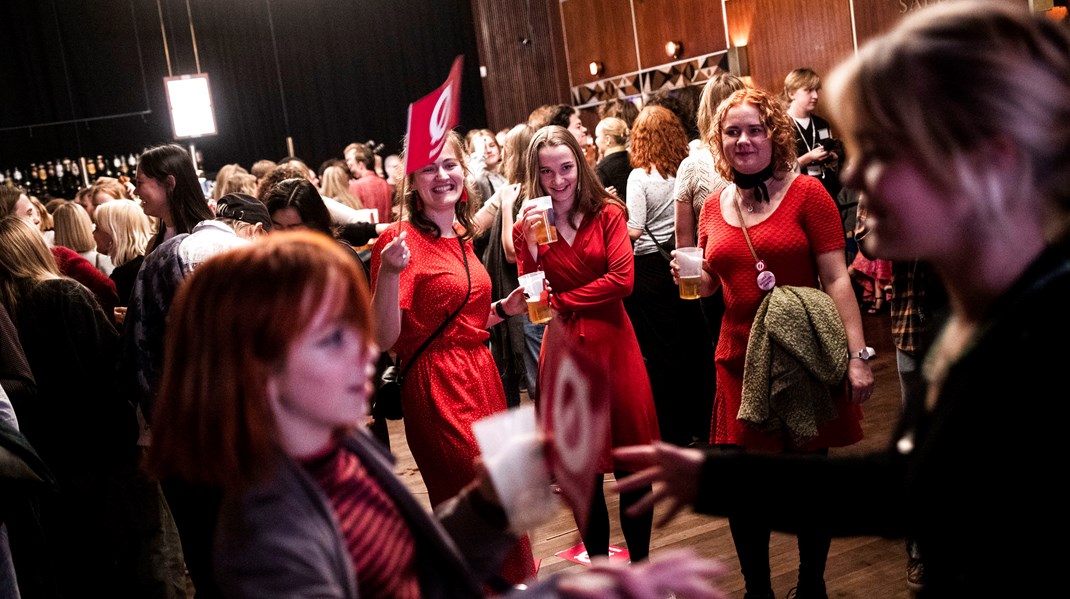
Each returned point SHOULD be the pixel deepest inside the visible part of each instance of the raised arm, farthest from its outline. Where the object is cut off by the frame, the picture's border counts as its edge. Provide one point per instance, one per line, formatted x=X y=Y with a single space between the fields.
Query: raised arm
x=484 y=218
x=387 y=265
x=508 y=196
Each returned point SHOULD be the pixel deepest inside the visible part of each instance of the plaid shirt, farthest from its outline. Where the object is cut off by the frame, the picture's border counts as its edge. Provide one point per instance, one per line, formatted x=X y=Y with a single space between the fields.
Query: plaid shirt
x=918 y=306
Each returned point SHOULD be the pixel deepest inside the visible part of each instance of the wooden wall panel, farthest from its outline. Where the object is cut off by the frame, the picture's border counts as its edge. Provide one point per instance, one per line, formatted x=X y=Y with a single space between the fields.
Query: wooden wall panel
x=599 y=30
x=873 y=17
x=783 y=35
x=521 y=45
x=780 y=34
x=699 y=24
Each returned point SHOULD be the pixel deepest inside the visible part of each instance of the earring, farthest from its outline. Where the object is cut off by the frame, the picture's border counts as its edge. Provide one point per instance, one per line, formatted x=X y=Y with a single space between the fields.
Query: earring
x=464 y=196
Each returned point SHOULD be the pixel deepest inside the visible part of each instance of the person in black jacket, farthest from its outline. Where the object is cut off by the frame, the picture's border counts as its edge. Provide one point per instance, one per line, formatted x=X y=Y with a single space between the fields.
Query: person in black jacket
x=818 y=153
x=611 y=138
x=978 y=135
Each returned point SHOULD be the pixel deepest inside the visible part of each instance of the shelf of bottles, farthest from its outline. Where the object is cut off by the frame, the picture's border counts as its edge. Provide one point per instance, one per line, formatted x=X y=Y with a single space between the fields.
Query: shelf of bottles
x=63 y=178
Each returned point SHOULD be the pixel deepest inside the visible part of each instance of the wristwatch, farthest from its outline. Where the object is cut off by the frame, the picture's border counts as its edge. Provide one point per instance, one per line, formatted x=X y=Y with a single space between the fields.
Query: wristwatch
x=863 y=354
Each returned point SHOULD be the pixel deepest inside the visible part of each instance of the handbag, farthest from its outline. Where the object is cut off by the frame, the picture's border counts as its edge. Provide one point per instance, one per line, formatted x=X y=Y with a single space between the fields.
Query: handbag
x=665 y=253
x=387 y=401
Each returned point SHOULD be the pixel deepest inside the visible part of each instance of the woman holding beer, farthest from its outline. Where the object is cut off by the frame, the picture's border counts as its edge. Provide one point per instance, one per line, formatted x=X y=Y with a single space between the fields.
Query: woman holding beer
x=425 y=274
x=586 y=255
x=773 y=220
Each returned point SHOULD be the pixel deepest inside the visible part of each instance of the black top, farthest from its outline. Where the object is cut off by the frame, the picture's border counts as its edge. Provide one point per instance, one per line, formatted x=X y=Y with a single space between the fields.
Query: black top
x=977 y=485
x=807 y=139
x=124 y=277
x=614 y=170
x=71 y=346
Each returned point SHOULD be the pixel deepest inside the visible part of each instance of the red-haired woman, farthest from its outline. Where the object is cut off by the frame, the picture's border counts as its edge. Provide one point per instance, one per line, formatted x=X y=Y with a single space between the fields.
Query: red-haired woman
x=453 y=382
x=679 y=358
x=310 y=503
x=590 y=268
x=792 y=230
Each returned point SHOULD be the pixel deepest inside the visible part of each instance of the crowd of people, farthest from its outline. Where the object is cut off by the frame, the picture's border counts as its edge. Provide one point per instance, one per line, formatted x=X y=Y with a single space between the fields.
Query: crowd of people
x=187 y=379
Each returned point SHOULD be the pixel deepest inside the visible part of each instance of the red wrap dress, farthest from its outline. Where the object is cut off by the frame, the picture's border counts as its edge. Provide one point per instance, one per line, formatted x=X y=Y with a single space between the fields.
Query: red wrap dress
x=589 y=279
x=804 y=225
x=454 y=381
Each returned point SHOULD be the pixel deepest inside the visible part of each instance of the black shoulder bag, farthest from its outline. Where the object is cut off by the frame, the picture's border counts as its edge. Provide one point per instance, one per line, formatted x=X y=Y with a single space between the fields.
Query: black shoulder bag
x=387 y=403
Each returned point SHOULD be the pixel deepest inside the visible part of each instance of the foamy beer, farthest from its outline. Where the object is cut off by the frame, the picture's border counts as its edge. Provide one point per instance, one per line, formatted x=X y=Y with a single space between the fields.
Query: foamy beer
x=546 y=226
x=534 y=284
x=690 y=272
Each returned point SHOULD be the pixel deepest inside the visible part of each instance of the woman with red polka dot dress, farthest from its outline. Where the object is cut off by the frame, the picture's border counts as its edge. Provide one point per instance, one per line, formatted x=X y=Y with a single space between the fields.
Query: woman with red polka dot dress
x=423 y=271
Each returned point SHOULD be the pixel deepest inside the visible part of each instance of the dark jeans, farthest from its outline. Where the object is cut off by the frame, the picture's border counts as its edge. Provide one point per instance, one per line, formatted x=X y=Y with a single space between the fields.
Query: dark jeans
x=533 y=342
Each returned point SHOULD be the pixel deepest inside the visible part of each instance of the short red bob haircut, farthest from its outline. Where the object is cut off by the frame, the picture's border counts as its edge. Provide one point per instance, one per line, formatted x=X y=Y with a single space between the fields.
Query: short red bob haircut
x=230 y=329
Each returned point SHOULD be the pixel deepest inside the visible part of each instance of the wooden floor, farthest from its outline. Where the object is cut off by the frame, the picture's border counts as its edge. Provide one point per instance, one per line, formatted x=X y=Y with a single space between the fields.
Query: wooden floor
x=858 y=567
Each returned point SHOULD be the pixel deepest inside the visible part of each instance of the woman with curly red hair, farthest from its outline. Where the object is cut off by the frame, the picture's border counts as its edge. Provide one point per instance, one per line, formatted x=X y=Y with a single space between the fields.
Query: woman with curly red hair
x=679 y=360
x=774 y=222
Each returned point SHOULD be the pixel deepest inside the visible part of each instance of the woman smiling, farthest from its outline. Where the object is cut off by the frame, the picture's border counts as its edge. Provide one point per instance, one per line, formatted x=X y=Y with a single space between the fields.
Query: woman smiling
x=432 y=301
x=591 y=270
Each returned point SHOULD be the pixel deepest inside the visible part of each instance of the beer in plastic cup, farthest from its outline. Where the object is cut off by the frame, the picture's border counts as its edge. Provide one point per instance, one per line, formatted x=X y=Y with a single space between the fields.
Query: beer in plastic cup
x=538 y=302
x=546 y=227
x=690 y=273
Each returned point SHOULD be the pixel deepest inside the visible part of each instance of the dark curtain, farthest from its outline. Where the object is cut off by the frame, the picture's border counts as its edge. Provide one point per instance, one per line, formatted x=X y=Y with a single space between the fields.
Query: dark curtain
x=346 y=71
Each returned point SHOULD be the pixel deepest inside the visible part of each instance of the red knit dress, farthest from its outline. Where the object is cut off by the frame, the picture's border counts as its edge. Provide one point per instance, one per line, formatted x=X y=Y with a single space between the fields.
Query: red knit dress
x=804 y=225
x=454 y=381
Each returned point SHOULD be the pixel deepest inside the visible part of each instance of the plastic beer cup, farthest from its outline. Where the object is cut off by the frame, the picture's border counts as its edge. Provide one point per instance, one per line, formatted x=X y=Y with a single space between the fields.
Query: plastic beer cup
x=546 y=227
x=690 y=272
x=538 y=301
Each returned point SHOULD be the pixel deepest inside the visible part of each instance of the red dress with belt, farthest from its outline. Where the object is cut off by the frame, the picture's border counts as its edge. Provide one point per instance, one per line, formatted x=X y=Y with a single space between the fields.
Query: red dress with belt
x=454 y=381
x=590 y=277
x=805 y=224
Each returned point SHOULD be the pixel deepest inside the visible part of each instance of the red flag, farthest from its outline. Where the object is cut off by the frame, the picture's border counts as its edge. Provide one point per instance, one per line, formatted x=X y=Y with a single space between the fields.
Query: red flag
x=431 y=118
x=575 y=416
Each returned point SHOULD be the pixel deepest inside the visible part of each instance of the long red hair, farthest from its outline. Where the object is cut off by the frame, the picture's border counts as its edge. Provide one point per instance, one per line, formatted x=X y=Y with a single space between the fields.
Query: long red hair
x=658 y=141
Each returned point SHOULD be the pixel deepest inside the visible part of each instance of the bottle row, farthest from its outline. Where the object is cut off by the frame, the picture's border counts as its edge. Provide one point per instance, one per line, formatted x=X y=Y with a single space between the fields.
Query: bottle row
x=63 y=178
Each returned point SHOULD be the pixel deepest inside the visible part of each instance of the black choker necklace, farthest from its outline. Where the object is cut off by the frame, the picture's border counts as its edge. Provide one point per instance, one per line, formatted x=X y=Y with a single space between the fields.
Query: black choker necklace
x=755 y=182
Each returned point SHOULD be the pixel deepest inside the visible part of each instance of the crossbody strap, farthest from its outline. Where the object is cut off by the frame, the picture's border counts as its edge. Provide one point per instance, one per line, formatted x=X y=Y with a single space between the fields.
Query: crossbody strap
x=664 y=252
x=445 y=323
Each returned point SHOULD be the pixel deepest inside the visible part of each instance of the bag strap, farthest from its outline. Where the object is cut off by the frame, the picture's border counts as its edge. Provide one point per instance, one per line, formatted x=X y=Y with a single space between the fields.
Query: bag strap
x=442 y=327
x=667 y=254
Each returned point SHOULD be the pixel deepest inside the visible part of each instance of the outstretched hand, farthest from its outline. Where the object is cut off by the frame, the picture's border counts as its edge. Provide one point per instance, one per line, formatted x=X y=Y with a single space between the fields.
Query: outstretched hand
x=674 y=472
x=678 y=572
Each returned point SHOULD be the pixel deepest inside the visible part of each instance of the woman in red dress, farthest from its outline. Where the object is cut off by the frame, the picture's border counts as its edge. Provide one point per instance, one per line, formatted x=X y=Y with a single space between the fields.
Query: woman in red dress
x=591 y=269
x=453 y=382
x=796 y=233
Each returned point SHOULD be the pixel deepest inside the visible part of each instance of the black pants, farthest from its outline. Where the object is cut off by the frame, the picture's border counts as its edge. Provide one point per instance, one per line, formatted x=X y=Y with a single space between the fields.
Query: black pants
x=751 y=534
x=676 y=349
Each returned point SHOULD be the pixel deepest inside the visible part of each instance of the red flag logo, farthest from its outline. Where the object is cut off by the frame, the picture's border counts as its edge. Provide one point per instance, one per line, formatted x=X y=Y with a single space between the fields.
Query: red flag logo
x=431 y=118
x=575 y=416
